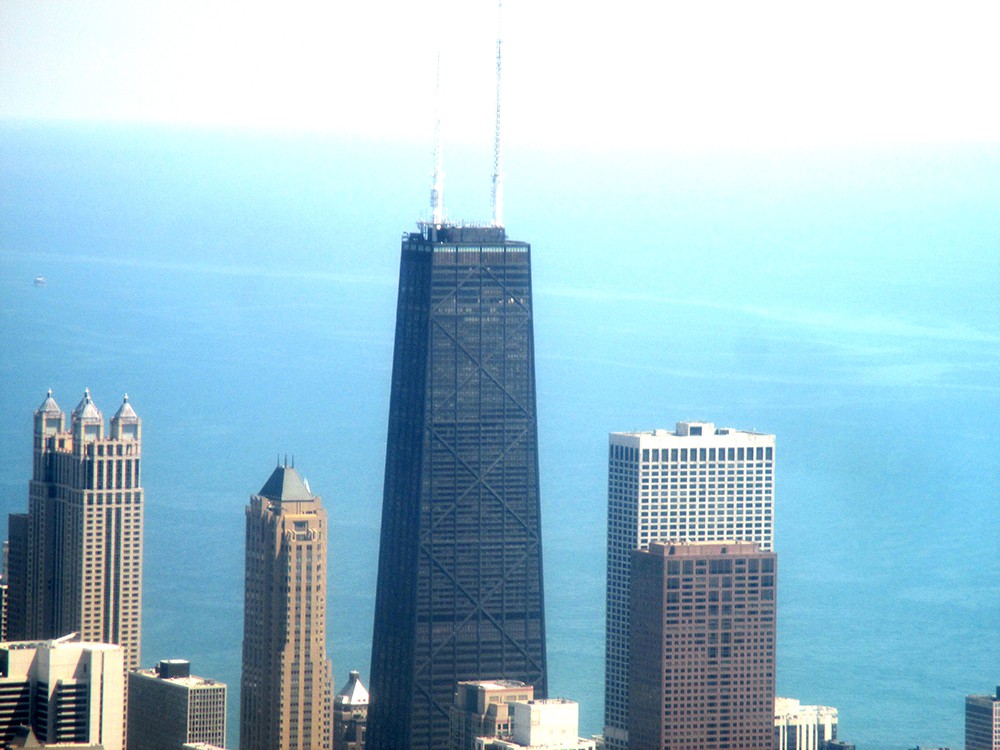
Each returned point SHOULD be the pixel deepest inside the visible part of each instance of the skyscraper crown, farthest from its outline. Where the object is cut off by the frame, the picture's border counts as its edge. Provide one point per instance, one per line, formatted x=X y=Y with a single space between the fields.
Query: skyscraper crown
x=87 y=409
x=49 y=406
x=285 y=485
x=125 y=411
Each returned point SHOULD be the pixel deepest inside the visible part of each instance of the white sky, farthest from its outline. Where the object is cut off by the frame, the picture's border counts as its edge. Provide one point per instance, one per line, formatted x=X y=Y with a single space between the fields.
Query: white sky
x=623 y=74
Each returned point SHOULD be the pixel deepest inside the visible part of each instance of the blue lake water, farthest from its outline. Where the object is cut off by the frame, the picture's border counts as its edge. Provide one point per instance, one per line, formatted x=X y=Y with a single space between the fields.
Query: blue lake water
x=241 y=288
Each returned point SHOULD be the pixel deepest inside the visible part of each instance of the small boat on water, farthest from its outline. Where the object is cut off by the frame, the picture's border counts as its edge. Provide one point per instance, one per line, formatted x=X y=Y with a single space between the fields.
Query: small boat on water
x=40 y=281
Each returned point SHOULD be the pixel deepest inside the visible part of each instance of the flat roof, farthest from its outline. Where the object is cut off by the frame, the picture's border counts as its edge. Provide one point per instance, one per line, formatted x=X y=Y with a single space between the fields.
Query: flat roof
x=190 y=681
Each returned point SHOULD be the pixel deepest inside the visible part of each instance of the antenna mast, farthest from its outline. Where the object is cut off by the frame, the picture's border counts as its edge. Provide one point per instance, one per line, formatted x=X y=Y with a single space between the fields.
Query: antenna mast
x=437 y=181
x=497 y=192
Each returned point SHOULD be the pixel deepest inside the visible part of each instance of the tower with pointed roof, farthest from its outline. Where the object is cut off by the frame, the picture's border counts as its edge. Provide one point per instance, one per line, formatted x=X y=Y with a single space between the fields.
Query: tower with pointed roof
x=285 y=689
x=78 y=565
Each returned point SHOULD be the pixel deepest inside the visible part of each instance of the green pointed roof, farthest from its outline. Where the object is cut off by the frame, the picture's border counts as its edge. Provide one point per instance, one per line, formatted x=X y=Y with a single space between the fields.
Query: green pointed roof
x=285 y=485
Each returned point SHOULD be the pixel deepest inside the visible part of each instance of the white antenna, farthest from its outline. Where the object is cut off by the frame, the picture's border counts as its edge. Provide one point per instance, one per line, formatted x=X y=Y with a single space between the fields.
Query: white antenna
x=437 y=181
x=497 y=192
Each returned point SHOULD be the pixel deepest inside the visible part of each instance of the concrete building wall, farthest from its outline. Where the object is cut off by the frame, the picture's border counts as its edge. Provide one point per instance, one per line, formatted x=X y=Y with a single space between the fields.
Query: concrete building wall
x=164 y=713
x=67 y=691
x=982 y=722
x=798 y=727
x=545 y=722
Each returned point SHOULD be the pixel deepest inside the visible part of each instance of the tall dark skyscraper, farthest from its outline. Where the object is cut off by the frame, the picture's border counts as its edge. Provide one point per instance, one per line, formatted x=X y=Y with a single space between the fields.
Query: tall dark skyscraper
x=460 y=560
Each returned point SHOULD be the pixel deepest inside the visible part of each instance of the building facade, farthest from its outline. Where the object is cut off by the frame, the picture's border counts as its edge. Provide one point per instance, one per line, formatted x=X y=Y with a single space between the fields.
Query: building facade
x=63 y=691
x=697 y=483
x=168 y=707
x=545 y=724
x=16 y=577
x=350 y=715
x=76 y=564
x=286 y=689
x=798 y=727
x=4 y=578
x=982 y=722
x=702 y=627
x=482 y=708
x=460 y=560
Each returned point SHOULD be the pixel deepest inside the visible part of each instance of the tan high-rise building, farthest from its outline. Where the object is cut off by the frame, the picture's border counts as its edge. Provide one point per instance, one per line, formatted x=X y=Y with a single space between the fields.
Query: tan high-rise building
x=286 y=690
x=82 y=543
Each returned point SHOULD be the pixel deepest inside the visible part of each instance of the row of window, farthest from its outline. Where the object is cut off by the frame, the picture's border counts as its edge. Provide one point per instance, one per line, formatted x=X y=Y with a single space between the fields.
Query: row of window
x=656 y=455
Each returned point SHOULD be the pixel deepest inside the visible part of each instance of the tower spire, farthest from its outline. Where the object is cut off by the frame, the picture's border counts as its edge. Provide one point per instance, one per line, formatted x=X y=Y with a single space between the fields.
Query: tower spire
x=497 y=192
x=437 y=181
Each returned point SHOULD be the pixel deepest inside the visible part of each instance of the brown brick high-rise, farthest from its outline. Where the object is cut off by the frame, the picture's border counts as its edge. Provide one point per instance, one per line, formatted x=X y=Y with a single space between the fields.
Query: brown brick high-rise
x=702 y=633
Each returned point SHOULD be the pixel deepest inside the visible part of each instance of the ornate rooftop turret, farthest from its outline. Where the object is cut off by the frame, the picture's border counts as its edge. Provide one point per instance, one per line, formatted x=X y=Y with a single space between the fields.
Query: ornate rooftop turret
x=49 y=405
x=49 y=418
x=125 y=424
x=88 y=422
x=125 y=411
x=86 y=409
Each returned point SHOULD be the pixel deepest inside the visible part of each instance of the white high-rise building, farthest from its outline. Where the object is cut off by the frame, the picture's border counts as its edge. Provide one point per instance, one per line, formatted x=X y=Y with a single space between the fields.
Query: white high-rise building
x=67 y=692
x=698 y=483
x=798 y=727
